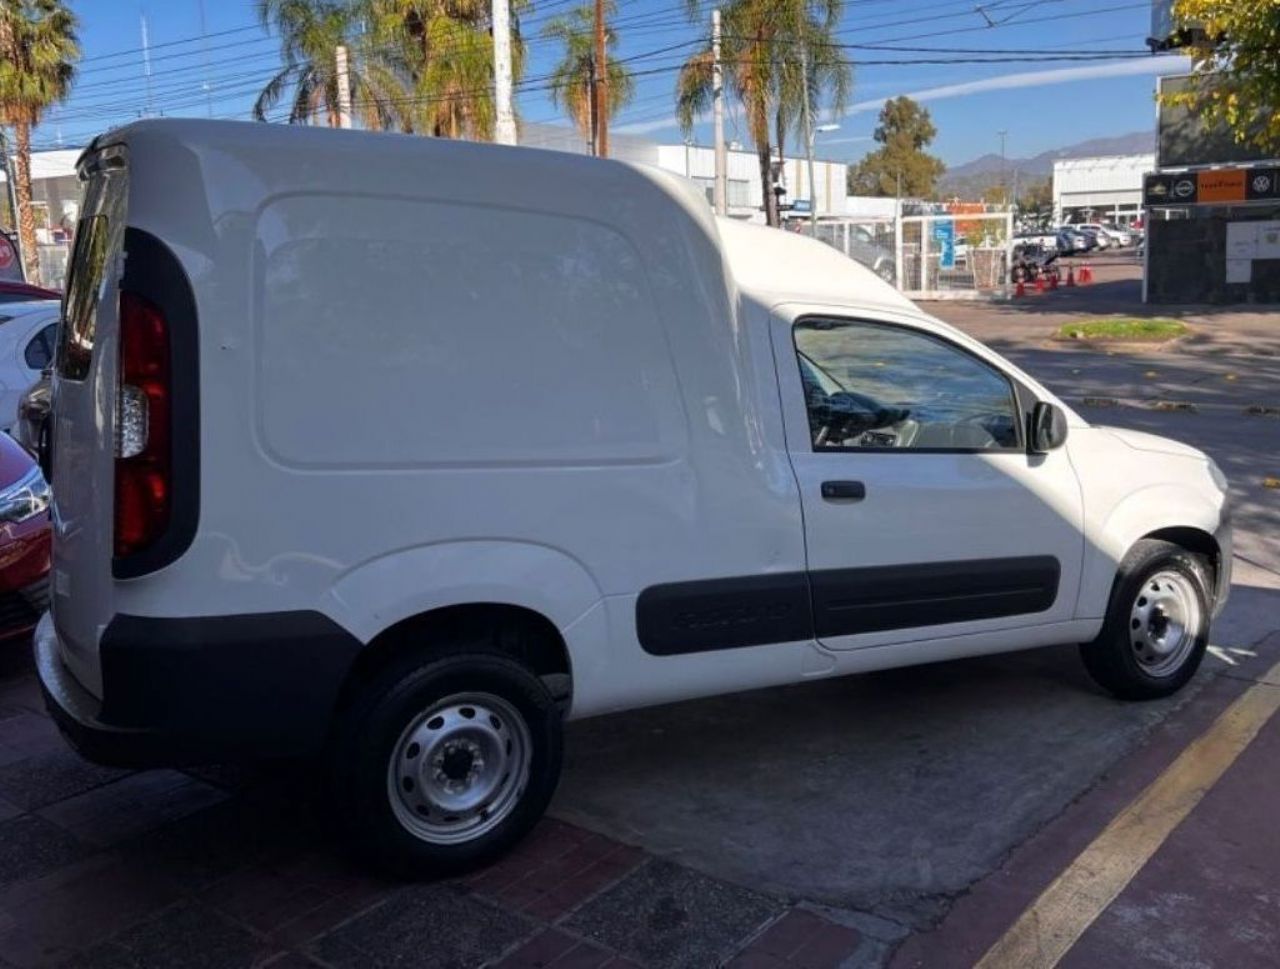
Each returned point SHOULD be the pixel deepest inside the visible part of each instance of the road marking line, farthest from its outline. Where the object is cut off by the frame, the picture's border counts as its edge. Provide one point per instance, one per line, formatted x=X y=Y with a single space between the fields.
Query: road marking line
x=1045 y=932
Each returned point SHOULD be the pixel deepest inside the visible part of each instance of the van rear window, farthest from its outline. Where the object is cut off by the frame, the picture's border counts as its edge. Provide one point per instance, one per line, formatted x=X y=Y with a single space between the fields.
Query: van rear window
x=80 y=306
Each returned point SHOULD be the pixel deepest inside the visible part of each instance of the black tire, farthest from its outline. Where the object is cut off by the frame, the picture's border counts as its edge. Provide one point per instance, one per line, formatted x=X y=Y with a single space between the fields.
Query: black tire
x=372 y=730
x=1114 y=659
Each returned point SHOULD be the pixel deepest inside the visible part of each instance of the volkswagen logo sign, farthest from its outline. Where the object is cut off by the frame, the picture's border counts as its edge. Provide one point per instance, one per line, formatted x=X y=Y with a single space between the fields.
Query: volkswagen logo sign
x=1184 y=188
x=1262 y=184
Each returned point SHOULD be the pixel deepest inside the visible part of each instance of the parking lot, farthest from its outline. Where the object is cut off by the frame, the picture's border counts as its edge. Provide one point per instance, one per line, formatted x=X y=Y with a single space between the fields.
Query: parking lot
x=908 y=817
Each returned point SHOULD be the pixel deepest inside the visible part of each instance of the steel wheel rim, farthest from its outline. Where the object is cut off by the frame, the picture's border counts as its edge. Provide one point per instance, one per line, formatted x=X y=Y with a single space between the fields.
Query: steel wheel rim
x=1164 y=622
x=459 y=768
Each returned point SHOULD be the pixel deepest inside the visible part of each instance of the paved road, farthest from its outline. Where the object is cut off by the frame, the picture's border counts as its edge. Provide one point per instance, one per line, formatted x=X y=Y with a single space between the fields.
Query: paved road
x=888 y=797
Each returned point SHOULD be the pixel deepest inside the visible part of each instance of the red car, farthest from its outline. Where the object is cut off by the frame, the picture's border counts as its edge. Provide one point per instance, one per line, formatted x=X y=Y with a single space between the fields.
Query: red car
x=12 y=291
x=25 y=539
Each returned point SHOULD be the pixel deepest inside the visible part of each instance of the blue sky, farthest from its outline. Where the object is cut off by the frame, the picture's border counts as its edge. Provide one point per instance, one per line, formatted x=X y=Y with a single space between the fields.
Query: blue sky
x=1042 y=105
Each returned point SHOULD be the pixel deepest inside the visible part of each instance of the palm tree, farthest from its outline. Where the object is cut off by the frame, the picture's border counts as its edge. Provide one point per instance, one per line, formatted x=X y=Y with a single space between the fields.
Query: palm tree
x=38 y=50
x=761 y=46
x=572 y=78
x=310 y=32
x=444 y=49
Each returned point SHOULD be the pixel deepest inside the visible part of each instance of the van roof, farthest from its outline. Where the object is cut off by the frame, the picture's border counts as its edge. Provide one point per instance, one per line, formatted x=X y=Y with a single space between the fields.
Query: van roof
x=770 y=265
x=775 y=266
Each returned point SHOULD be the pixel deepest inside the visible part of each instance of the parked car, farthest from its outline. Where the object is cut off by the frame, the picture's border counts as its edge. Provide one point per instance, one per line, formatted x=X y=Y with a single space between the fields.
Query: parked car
x=864 y=248
x=1108 y=234
x=585 y=458
x=26 y=348
x=24 y=541
x=31 y=429
x=1097 y=239
x=1069 y=242
x=16 y=292
x=1046 y=240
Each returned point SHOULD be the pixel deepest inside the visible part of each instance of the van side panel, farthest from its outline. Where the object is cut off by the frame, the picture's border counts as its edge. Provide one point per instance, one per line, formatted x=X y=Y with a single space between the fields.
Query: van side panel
x=457 y=345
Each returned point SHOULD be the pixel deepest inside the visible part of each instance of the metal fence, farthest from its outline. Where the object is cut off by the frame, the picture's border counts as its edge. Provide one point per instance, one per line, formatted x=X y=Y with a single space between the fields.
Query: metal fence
x=872 y=242
x=962 y=255
x=934 y=255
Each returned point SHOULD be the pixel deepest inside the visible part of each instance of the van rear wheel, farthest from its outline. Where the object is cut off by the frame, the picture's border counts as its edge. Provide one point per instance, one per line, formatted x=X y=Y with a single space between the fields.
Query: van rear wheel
x=1157 y=624
x=443 y=763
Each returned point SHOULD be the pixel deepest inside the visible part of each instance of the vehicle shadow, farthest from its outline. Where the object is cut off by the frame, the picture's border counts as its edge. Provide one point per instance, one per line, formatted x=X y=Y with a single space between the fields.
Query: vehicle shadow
x=888 y=792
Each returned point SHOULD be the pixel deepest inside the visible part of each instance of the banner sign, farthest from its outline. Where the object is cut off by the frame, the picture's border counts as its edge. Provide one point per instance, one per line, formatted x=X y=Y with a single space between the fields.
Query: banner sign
x=1216 y=186
x=944 y=237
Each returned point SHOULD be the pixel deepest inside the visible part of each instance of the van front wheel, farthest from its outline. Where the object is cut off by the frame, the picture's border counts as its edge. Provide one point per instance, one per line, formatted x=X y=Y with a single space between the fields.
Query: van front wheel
x=443 y=764
x=1157 y=624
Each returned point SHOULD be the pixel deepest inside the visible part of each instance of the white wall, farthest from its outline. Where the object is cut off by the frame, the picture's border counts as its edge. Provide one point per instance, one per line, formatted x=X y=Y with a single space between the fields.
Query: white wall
x=1105 y=183
x=745 y=196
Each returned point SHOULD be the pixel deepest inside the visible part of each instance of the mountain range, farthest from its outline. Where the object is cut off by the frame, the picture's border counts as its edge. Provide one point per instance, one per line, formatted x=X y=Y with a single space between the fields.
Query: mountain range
x=968 y=180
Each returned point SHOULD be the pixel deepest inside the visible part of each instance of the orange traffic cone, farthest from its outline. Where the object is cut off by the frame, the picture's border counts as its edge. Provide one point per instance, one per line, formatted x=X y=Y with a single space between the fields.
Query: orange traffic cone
x=1040 y=283
x=1020 y=290
x=1071 y=275
x=1053 y=279
x=1086 y=274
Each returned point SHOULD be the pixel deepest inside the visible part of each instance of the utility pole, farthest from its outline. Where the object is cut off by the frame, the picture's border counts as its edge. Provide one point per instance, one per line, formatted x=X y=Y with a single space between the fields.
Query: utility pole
x=808 y=138
x=344 y=86
x=1004 y=178
x=204 y=62
x=721 y=192
x=504 y=128
x=146 y=63
x=594 y=111
x=601 y=93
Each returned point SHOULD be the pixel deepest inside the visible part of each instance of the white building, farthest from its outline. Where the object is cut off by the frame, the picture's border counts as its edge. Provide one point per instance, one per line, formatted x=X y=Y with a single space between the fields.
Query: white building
x=698 y=164
x=1094 y=189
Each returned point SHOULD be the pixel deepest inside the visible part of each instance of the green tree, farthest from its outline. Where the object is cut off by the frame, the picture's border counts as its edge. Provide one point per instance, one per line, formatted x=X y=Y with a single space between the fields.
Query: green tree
x=572 y=77
x=1234 y=47
x=38 y=51
x=762 y=43
x=310 y=33
x=900 y=166
x=1036 y=199
x=443 y=50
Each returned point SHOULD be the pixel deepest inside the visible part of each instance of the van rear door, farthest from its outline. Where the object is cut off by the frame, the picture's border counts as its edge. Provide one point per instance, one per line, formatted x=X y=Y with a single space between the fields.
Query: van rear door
x=84 y=418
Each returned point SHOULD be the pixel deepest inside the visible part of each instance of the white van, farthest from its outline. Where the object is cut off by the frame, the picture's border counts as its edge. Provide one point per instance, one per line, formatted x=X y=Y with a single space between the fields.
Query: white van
x=401 y=450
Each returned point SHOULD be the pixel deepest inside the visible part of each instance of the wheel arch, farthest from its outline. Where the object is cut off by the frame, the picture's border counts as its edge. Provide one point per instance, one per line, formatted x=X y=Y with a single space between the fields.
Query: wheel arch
x=517 y=631
x=1175 y=514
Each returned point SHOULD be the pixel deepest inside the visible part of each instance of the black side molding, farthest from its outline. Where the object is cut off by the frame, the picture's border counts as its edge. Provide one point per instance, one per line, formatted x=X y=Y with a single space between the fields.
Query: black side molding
x=694 y=617
x=728 y=613
x=864 y=600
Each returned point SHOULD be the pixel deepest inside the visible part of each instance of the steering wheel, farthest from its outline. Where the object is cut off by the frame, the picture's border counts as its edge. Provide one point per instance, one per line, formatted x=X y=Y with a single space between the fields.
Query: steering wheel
x=847 y=413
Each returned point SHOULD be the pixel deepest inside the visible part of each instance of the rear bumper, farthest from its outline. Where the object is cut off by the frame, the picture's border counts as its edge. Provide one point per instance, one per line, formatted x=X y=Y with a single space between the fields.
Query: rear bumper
x=183 y=691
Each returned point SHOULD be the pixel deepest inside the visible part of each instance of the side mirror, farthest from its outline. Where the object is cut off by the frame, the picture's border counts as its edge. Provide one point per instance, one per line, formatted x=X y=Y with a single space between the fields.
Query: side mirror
x=1048 y=428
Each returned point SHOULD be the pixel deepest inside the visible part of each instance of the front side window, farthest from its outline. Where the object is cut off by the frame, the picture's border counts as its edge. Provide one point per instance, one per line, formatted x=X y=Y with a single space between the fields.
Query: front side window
x=882 y=387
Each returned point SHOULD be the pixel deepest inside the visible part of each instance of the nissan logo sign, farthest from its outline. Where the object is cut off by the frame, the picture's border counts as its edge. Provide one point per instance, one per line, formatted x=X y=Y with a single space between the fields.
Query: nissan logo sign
x=1184 y=188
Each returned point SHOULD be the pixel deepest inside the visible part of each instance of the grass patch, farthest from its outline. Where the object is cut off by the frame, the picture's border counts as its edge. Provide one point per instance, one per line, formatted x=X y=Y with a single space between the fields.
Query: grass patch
x=1124 y=329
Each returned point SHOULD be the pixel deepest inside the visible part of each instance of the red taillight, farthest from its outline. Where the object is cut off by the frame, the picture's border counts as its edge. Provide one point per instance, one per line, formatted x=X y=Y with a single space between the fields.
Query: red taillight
x=144 y=481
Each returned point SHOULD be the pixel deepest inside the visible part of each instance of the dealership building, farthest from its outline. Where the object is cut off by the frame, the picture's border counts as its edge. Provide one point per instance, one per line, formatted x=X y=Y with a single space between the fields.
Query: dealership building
x=1104 y=189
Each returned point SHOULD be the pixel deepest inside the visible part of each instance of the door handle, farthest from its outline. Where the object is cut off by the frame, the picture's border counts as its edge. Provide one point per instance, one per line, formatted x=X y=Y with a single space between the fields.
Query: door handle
x=844 y=490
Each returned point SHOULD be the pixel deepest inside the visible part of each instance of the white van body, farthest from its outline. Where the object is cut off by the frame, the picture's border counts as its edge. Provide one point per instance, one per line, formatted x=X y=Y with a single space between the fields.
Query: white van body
x=415 y=379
